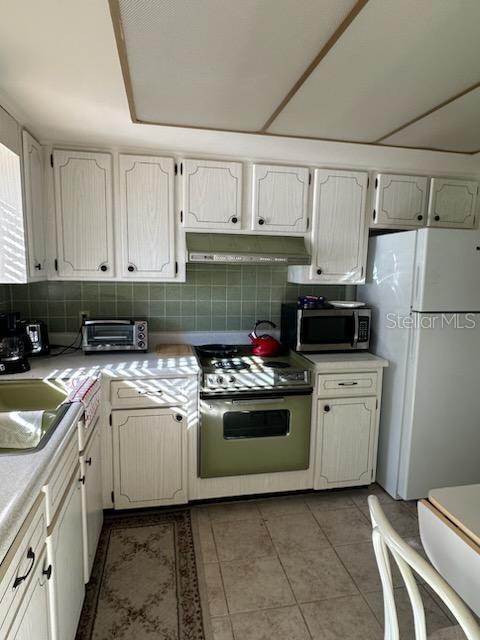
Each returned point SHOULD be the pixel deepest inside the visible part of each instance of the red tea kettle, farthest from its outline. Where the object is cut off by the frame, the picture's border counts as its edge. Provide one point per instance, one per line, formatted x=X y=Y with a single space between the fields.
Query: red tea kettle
x=264 y=345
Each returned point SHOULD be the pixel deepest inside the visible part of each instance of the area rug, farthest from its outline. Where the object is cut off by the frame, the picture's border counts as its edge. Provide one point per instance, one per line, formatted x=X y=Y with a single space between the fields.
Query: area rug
x=144 y=582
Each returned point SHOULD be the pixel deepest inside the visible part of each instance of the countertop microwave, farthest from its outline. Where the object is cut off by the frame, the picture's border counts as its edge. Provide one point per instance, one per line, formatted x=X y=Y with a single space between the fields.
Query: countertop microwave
x=317 y=330
x=100 y=336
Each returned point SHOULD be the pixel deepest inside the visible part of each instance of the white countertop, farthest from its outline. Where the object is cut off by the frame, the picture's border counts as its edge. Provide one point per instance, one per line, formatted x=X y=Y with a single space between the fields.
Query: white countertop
x=357 y=361
x=461 y=505
x=23 y=475
x=124 y=365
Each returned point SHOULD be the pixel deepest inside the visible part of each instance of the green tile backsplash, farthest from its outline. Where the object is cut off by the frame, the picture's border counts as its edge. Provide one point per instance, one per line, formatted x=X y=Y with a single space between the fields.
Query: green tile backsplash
x=214 y=298
x=5 y=300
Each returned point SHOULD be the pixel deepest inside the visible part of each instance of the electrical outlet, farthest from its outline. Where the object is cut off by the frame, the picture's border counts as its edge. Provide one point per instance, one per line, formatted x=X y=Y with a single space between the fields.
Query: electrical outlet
x=83 y=315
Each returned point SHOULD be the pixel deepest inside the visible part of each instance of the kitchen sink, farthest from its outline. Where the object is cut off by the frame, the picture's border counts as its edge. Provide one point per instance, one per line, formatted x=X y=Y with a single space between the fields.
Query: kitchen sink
x=30 y=411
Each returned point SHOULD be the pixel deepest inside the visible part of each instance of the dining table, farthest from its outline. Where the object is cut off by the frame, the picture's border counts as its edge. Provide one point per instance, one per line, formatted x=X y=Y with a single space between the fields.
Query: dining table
x=449 y=523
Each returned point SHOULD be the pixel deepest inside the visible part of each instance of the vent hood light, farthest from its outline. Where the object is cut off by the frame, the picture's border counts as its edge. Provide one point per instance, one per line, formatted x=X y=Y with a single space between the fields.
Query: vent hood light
x=222 y=248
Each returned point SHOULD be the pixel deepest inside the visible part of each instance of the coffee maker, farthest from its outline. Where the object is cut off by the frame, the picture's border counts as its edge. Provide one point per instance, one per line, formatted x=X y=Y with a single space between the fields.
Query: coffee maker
x=14 y=344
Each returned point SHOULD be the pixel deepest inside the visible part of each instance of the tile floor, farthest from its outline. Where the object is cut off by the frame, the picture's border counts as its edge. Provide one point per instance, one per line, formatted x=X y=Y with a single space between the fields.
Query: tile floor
x=302 y=568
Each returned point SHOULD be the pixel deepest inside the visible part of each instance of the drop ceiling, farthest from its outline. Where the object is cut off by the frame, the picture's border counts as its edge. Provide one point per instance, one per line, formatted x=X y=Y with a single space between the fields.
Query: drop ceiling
x=386 y=72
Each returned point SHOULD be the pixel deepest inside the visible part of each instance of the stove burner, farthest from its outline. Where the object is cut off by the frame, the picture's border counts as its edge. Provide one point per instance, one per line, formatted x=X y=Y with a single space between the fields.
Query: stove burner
x=217 y=350
x=273 y=364
x=231 y=364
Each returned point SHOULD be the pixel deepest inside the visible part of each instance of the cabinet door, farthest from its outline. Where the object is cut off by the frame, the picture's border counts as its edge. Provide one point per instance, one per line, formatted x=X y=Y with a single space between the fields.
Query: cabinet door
x=400 y=201
x=212 y=194
x=92 y=503
x=280 y=198
x=452 y=203
x=345 y=445
x=32 y=619
x=83 y=203
x=65 y=553
x=147 y=232
x=340 y=232
x=35 y=205
x=150 y=449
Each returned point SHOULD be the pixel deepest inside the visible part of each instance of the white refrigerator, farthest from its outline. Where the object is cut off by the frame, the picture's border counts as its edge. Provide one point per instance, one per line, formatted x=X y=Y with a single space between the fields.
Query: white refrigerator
x=424 y=289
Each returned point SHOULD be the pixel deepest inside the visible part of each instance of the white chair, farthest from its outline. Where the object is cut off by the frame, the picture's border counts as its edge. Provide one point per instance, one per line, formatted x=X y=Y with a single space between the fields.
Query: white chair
x=386 y=539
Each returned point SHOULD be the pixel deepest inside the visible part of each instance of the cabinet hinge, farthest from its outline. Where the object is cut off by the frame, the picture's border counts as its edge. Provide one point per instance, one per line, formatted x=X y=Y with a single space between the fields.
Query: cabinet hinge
x=55 y=264
x=110 y=419
x=308 y=224
x=309 y=178
x=176 y=168
x=181 y=216
x=112 y=496
x=368 y=182
x=376 y=403
x=176 y=268
x=376 y=183
x=181 y=168
x=51 y=160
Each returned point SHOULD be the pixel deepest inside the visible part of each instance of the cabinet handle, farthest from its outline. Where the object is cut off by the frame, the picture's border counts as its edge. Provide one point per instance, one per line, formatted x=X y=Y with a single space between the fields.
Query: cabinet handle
x=20 y=579
x=420 y=217
x=82 y=479
x=234 y=220
x=178 y=417
x=89 y=461
x=326 y=408
x=347 y=384
x=103 y=267
x=261 y=221
x=131 y=268
x=437 y=218
x=48 y=572
x=38 y=266
x=319 y=272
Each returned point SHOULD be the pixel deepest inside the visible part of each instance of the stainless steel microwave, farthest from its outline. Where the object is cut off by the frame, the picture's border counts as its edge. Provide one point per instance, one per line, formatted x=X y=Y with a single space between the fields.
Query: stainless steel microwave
x=99 y=336
x=316 y=330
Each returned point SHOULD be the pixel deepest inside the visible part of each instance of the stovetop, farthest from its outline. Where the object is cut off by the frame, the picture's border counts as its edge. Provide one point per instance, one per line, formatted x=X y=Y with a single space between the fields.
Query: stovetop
x=236 y=368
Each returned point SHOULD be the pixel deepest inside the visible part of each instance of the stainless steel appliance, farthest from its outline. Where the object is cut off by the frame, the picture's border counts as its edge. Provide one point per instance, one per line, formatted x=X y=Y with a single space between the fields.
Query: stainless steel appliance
x=37 y=332
x=114 y=335
x=255 y=411
x=315 y=330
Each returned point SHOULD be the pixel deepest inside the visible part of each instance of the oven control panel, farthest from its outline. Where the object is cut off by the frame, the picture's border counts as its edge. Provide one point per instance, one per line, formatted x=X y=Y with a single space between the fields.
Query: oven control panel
x=248 y=380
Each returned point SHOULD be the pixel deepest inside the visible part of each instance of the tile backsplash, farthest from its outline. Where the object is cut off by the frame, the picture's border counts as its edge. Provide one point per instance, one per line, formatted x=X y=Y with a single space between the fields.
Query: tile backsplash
x=213 y=298
x=5 y=300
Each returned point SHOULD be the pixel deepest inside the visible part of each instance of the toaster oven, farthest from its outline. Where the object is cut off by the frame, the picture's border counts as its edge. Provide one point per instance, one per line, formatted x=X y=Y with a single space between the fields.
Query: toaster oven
x=99 y=336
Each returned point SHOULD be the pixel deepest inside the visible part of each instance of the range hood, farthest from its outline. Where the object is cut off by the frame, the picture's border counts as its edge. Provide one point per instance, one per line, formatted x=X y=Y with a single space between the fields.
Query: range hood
x=223 y=248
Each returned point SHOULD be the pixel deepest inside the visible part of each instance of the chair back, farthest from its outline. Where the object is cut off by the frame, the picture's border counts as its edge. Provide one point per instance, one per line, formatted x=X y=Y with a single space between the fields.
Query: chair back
x=386 y=539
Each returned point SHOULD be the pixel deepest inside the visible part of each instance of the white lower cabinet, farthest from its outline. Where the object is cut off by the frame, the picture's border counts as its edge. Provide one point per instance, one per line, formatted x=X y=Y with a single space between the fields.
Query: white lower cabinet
x=150 y=457
x=65 y=554
x=346 y=445
x=32 y=620
x=92 y=499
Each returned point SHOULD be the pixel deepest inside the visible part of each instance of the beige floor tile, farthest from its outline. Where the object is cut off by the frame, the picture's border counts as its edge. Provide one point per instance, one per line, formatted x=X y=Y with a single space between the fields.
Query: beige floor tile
x=256 y=584
x=285 y=623
x=328 y=500
x=449 y=633
x=222 y=628
x=342 y=619
x=274 y=507
x=359 y=560
x=215 y=594
x=207 y=543
x=344 y=526
x=242 y=540
x=435 y=617
x=315 y=575
x=225 y=512
x=296 y=532
x=400 y=517
x=360 y=496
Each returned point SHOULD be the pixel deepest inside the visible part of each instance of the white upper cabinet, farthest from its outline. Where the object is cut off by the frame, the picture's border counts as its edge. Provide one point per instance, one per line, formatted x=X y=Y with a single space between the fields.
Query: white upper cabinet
x=400 y=202
x=13 y=259
x=83 y=204
x=35 y=206
x=280 y=199
x=147 y=223
x=340 y=233
x=212 y=195
x=452 y=203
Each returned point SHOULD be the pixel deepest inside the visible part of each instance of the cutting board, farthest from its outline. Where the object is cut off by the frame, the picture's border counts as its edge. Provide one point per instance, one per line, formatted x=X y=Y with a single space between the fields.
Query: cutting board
x=173 y=350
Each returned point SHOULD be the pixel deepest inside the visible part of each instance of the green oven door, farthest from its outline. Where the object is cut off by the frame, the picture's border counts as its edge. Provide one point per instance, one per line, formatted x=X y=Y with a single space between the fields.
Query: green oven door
x=256 y=435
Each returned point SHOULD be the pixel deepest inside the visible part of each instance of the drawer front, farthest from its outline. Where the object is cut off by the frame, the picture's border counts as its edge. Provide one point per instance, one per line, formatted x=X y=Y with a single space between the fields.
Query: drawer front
x=334 y=385
x=152 y=392
x=57 y=483
x=18 y=567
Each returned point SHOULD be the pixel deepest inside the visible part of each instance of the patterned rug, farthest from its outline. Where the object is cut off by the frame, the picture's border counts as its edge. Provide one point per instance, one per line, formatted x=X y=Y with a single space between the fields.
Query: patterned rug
x=144 y=583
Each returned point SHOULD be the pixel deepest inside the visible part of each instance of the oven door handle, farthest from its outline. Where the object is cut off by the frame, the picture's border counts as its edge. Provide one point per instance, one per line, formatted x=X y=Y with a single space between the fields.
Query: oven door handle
x=259 y=401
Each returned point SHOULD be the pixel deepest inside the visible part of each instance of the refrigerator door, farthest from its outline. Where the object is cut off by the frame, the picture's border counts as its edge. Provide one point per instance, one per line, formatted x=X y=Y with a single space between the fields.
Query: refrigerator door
x=440 y=444
x=447 y=268
x=388 y=291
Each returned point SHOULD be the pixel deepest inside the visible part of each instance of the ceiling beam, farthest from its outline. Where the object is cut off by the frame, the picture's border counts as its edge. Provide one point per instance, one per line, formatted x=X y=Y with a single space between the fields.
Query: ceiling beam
x=346 y=22
x=430 y=111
